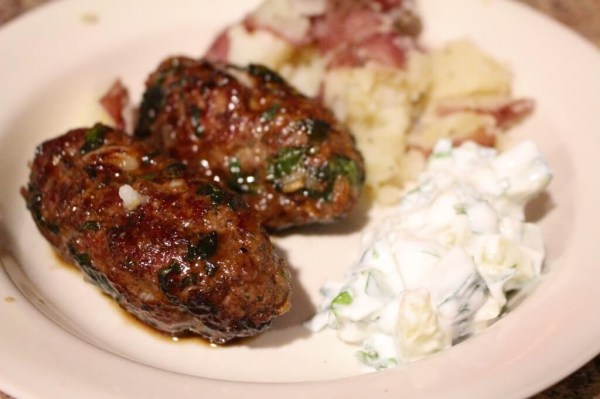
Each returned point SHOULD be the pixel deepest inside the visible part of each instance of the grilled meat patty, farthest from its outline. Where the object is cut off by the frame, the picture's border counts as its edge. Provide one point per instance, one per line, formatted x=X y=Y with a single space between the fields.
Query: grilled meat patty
x=249 y=130
x=177 y=251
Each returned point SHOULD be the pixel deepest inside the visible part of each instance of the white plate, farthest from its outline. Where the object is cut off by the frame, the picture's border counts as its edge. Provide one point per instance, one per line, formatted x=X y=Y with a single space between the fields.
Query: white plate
x=59 y=337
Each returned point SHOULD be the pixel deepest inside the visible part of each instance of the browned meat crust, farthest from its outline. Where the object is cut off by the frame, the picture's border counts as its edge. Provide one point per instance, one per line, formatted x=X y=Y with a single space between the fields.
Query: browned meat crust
x=248 y=129
x=191 y=256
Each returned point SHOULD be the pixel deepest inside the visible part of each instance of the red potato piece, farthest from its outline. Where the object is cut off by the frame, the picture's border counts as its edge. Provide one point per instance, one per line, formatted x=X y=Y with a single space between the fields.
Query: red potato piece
x=507 y=112
x=383 y=49
x=114 y=102
x=352 y=32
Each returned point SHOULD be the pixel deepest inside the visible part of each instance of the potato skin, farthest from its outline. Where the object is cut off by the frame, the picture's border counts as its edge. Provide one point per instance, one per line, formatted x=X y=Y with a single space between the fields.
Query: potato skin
x=249 y=130
x=190 y=257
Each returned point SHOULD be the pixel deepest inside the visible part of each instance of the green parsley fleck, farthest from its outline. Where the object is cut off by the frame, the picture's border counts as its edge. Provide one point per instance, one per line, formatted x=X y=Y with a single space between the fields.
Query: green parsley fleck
x=196 y=121
x=265 y=74
x=271 y=112
x=91 y=225
x=317 y=129
x=241 y=181
x=166 y=277
x=151 y=103
x=285 y=162
x=94 y=138
x=204 y=248
x=175 y=169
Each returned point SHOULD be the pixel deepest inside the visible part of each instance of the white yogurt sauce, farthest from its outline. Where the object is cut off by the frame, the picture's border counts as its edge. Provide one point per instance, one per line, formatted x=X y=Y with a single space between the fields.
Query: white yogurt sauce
x=440 y=268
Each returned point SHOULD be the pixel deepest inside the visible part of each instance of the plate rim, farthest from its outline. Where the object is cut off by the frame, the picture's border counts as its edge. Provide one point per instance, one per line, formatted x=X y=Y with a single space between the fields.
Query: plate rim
x=283 y=388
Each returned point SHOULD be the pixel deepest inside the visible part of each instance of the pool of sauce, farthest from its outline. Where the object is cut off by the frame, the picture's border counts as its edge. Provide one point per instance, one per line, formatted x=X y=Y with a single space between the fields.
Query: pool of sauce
x=132 y=320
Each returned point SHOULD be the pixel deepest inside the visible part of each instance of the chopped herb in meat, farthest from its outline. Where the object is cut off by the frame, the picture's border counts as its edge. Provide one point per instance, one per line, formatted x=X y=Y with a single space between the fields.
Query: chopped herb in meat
x=35 y=206
x=219 y=196
x=216 y=195
x=289 y=160
x=168 y=277
x=149 y=176
x=148 y=159
x=285 y=170
x=151 y=103
x=196 y=120
x=265 y=74
x=81 y=258
x=190 y=279
x=340 y=165
x=175 y=169
x=285 y=162
x=84 y=261
x=53 y=227
x=91 y=171
x=94 y=138
x=91 y=225
x=271 y=112
x=317 y=129
x=241 y=181
x=204 y=248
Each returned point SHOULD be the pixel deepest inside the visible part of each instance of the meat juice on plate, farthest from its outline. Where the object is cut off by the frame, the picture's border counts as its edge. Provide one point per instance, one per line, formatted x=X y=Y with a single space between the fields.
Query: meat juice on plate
x=441 y=267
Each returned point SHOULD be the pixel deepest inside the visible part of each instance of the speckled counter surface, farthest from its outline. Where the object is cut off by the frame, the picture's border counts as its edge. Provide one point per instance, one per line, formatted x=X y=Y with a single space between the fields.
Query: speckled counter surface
x=582 y=16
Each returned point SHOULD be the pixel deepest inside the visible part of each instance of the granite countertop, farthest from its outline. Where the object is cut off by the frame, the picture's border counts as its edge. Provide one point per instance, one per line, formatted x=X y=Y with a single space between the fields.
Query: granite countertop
x=582 y=16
